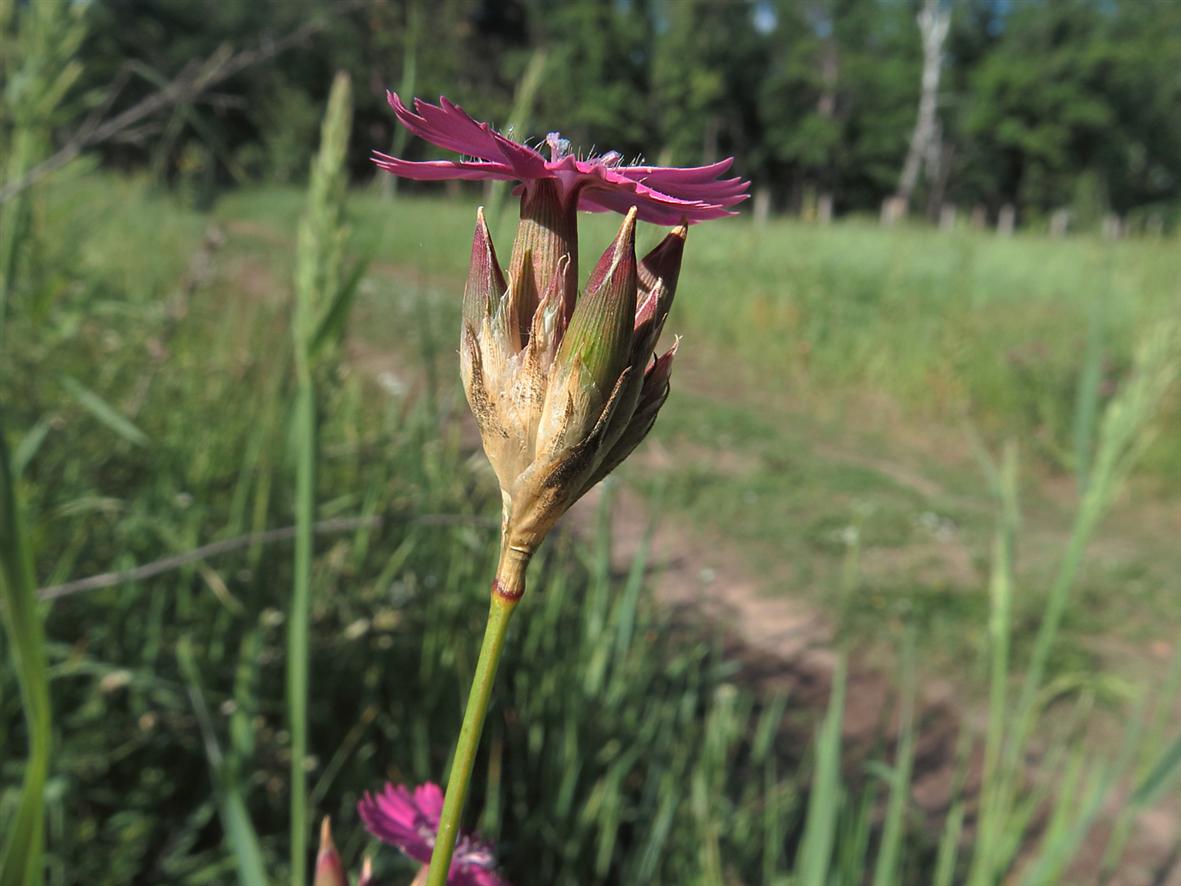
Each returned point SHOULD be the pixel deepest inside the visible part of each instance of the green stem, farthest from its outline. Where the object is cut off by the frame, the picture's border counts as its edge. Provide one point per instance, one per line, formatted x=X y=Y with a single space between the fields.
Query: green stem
x=469 y=737
x=298 y=620
x=14 y=216
x=22 y=855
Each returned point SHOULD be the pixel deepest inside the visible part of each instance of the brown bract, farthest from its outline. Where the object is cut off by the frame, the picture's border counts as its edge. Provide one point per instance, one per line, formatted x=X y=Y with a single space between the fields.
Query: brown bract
x=563 y=386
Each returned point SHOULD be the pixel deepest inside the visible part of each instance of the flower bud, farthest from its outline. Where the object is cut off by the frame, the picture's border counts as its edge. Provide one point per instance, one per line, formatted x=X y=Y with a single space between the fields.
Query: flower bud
x=658 y=275
x=595 y=348
x=653 y=392
x=485 y=281
x=366 y=878
x=546 y=234
x=562 y=398
x=329 y=869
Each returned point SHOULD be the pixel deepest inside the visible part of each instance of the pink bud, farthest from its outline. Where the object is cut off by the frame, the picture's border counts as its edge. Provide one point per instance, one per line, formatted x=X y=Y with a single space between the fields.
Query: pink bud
x=329 y=869
x=547 y=233
x=485 y=280
x=600 y=332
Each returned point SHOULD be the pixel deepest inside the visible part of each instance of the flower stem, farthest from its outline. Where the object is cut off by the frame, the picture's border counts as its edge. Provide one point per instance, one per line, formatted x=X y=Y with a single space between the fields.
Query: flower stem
x=469 y=737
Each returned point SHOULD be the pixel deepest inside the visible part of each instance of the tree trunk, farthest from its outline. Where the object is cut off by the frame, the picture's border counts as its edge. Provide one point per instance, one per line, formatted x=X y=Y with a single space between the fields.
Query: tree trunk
x=1006 y=220
x=934 y=22
x=761 y=204
x=826 y=104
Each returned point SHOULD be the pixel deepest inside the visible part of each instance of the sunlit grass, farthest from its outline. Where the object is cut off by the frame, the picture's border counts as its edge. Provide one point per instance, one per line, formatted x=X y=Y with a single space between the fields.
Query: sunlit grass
x=621 y=747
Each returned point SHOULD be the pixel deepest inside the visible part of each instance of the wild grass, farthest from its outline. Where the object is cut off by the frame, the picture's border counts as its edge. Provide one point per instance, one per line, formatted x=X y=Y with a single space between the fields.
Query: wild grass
x=321 y=303
x=149 y=392
x=939 y=322
x=617 y=748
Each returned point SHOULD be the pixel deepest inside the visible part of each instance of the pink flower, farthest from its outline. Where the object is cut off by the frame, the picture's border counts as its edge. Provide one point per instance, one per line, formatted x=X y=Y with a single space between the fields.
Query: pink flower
x=662 y=195
x=411 y=822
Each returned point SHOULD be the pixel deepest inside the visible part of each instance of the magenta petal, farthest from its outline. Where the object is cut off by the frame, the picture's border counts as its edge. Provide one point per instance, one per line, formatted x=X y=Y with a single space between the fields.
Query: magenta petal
x=429 y=800
x=731 y=189
x=652 y=207
x=454 y=131
x=670 y=174
x=393 y=818
x=661 y=195
x=442 y=170
x=448 y=126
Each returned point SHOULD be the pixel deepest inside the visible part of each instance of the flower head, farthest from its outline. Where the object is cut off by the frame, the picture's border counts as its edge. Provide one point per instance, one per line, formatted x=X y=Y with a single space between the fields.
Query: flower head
x=563 y=385
x=411 y=821
x=661 y=195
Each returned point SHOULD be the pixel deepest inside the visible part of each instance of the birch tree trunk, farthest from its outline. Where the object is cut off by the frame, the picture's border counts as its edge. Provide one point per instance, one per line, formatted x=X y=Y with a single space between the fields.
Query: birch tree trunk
x=826 y=107
x=934 y=21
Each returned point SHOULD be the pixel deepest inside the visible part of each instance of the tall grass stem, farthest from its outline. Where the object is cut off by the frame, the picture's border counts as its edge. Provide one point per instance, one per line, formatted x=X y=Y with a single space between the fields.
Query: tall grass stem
x=21 y=861
x=319 y=290
x=298 y=627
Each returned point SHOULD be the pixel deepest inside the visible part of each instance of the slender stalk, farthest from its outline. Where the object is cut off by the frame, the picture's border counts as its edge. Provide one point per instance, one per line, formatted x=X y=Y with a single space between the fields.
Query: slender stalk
x=298 y=622
x=14 y=218
x=999 y=630
x=22 y=855
x=318 y=288
x=499 y=613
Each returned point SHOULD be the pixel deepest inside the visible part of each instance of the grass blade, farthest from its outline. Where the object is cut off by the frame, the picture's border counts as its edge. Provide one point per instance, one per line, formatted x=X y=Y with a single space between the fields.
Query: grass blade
x=26 y=450
x=235 y=818
x=1086 y=410
x=993 y=791
x=105 y=412
x=332 y=325
x=953 y=823
x=1160 y=777
x=889 y=862
x=824 y=803
x=318 y=269
x=21 y=863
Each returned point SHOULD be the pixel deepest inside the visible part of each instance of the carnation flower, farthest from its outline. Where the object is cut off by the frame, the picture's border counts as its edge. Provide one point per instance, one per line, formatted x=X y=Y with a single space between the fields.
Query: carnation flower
x=411 y=821
x=662 y=195
x=563 y=385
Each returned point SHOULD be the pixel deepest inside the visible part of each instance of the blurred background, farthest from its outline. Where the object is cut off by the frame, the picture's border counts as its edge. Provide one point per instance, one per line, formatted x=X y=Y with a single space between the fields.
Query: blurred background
x=889 y=595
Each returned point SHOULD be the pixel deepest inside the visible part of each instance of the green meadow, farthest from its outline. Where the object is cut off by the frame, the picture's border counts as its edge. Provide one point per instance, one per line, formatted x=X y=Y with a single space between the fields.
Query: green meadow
x=939 y=442
x=847 y=380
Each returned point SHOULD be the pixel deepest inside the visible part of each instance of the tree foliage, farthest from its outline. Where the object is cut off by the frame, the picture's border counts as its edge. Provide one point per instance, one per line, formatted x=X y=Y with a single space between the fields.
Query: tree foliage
x=1044 y=103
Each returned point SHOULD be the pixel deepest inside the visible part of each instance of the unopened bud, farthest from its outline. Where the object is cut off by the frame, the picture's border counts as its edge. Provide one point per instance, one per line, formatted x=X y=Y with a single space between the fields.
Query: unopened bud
x=653 y=392
x=329 y=869
x=658 y=275
x=366 y=878
x=547 y=232
x=600 y=332
x=485 y=280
